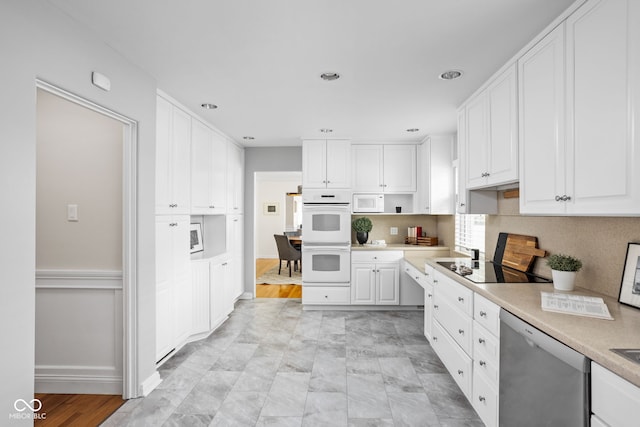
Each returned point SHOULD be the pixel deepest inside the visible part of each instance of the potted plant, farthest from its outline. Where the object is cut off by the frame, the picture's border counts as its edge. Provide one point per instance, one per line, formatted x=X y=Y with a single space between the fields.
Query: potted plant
x=362 y=226
x=563 y=271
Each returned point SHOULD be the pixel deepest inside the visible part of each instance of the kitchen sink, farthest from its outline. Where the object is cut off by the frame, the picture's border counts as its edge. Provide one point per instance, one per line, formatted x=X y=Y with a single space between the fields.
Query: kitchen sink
x=632 y=354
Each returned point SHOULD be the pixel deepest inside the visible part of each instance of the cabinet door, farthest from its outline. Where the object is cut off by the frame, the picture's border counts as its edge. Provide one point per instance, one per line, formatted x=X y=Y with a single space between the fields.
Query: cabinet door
x=180 y=161
x=363 y=284
x=387 y=284
x=163 y=156
x=441 y=175
x=219 y=175
x=235 y=177
x=338 y=164
x=542 y=125
x=218 y=298
x=164 y=296
x=477 y=147
x=234 y=252
x=428 y=310
x=201 y=307
x=460 y=174
x=603 y=74
x=314 y=164
x=201 y=168
x=399 y=168
x=181 y=264
x=367 y=168
x=503 y=129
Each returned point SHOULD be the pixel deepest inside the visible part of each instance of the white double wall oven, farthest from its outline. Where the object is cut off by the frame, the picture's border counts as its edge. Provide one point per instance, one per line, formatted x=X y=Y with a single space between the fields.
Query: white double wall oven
x=326 y=248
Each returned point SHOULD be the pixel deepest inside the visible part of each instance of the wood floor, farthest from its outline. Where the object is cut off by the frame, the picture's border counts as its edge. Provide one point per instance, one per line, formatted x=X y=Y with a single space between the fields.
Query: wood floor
x=274 y=291
x=81 y=410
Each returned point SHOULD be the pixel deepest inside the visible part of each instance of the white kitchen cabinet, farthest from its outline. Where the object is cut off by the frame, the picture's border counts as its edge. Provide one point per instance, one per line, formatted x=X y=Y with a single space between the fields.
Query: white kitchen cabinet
x=579 y=147
x=614 y=400
x=220 y=291
x=208 y=170
x=235 y=179
x=173 y=140
x=326 y=163
x=457 y=362
x=235 y=245
x=435 y=175
x=173 y=283
x=200 y=296
x=326 y=295
x=379 y=168
x=375 y=277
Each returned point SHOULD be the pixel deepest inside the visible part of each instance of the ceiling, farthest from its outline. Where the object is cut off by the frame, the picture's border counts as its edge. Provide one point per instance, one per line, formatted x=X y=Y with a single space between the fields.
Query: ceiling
x=260 y=61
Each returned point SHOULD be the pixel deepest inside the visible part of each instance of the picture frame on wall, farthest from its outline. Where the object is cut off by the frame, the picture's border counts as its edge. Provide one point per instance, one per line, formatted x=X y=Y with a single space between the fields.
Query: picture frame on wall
x=630 y=287
x=271 y=208
x=197 y=245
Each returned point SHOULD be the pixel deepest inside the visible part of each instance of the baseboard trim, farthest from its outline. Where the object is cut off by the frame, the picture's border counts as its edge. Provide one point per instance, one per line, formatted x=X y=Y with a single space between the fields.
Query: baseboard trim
x=246 y=295
x=150 y=384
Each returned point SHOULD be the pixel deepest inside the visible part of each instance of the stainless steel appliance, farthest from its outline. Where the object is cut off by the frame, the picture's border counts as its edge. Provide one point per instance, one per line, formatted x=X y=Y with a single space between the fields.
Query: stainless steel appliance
x=542 y=381
x=491 y=272
x=326 y=247
x=368 y=203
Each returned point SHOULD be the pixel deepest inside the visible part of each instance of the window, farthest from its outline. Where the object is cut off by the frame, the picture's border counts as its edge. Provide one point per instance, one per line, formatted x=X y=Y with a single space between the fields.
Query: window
x=470 y=232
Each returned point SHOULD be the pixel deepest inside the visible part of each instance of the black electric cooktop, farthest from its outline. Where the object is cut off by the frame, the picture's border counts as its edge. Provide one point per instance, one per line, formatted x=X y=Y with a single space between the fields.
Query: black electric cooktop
x=490 y=272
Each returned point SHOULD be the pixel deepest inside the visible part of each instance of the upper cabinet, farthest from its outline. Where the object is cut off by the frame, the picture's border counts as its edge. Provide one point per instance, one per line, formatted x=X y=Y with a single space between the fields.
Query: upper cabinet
x=435 y=176
x=326 y=163
x=208 y=170
x=491 y=134
x=173 y=140
x=384 y=168
x=579 y=95
x=235 y=179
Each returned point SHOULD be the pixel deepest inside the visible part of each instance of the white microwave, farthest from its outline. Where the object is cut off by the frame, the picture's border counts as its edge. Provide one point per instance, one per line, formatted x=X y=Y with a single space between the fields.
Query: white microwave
x=368 y=203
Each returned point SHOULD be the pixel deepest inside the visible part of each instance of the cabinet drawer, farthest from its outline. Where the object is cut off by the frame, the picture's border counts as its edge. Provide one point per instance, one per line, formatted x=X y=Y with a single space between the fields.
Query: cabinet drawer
x=459 y=326
x=331 y=295
x=429 y=272
x=613 y=399
x=485 y=400
x=486 y=347
x=487 y=314
x=454 y=359
x=376 y=256
x=458 y=295
x=415 y=274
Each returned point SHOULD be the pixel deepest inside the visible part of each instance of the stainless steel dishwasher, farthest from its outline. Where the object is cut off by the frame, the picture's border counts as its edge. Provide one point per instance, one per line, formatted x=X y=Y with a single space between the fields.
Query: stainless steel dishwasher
x=542 y=381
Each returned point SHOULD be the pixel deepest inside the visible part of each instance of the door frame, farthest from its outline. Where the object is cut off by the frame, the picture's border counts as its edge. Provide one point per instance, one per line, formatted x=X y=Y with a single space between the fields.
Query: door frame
x=129 y=232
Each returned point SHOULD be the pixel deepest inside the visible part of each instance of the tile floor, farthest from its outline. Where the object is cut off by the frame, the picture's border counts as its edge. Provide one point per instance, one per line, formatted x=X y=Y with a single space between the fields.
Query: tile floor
x=273 y=364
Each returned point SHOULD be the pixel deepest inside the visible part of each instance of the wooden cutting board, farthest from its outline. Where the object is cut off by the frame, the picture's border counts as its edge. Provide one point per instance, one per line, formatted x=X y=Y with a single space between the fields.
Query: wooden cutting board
x=517 y=251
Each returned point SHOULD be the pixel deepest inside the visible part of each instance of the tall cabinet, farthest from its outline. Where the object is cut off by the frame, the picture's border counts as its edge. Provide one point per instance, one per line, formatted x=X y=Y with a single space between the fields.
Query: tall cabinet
x=208 y=171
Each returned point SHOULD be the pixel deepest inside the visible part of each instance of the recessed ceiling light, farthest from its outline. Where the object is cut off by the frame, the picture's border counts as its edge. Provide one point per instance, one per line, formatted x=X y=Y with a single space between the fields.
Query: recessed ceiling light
x=451 y=75
x=329 y=76
x=248 y=138
x=413 y=130
x=326 y=130
x=208 y=106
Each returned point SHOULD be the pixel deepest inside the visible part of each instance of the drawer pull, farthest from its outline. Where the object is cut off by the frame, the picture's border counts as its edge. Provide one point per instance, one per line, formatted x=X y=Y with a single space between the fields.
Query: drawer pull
x=429 y=295
x=460 y=372
x=481 y=340
x=481 y=399
x=483 y=314
x=417 y=277
x=461 y=331
x=483 y=363
x=435 y=281
x=435 y=338
x=460 y=299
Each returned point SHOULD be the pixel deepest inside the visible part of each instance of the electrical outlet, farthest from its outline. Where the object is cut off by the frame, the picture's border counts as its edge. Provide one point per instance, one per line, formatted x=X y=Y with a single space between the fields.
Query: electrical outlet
x=393 y=231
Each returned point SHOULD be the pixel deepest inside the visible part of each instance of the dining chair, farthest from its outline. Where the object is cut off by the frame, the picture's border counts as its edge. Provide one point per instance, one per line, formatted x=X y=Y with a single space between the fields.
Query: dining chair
x=286 y=252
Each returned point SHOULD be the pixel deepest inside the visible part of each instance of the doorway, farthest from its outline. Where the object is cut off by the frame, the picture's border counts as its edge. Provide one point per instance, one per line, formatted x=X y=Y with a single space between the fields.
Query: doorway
x=85 y=247
x=277 y=211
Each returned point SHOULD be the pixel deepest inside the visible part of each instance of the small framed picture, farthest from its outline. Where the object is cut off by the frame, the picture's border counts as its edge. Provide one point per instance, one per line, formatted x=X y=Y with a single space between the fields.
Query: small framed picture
x=630 y=287
x=271 y=208
x=196 y=237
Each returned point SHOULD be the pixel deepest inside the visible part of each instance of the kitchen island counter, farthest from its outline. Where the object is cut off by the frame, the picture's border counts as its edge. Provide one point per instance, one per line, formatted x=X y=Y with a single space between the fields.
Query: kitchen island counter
x=592 y=337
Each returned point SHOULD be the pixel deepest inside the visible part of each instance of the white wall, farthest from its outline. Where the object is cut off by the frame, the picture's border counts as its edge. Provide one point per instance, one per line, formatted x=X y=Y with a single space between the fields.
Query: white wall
x=37 y=41
x=272 y=187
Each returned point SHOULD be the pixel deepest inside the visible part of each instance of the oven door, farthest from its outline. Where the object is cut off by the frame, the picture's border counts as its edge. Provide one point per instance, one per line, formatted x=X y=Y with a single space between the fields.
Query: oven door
x=327 y=224
x=326 y=264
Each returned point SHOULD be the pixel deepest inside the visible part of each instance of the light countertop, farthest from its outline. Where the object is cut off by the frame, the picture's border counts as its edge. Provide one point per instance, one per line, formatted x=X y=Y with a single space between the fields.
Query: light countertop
x=399 y=247
x=589 y=336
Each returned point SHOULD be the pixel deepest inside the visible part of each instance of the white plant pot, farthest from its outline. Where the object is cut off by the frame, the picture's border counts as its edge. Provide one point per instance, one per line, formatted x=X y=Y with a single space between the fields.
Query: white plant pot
x=563 y=280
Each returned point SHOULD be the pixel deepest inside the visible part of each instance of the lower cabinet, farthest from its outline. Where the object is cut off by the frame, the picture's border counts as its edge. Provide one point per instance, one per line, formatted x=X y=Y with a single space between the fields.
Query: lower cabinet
x=326 y=295
x=457 y=362
x=614 y=400
x=375 y=277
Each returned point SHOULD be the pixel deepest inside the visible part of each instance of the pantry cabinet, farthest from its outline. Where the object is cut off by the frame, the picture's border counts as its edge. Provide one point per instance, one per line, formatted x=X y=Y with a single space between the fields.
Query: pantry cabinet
x=173 y=283
x=384 y=168
x=579 y=144
x=208 y=170
x=491 y=134
x=435 y=176
x=326 y=164
x=173 y=141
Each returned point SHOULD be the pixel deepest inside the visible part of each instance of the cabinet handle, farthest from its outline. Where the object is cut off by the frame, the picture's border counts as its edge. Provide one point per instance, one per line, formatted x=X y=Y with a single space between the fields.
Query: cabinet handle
x=460 y=299
x=567 y=198
x=417 y=277
x=326 y=296
x=481 y=340
x=483 y=314
x=173 y=224
x=563 y=198
x=461 y=331
x=435 y=307
x=482 y=363
x=224 y=264
x=435 y=281
x=481 y=398
x=435 y=338
x=558 y=198
x=462 y=205
x=460 y=372
x=211 y=207
x=429 y=295
x=324 y=182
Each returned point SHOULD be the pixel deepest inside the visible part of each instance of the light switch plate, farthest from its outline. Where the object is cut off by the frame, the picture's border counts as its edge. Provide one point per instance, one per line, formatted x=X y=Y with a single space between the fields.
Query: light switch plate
x=393 y=231
x=72 y=212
